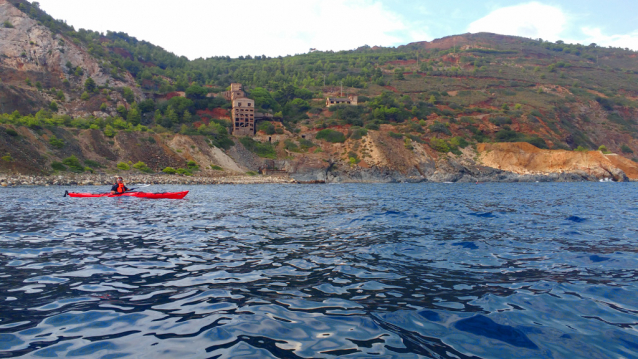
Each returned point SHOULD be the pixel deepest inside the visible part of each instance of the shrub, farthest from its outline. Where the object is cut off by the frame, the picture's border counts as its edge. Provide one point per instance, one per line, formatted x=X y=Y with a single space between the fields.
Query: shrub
x=7 y=24
x=251 y=173
x=440 y=128
x=603 y=149
x=58 y=166
x=267 y=127
x=500 y=121
x=439 y=145
x=331 y=136
x=7 y=158
x=266 y=149
x=123 y=166
x=109 y=131
x=372 y=126
x=192 y=165
x=395 y=135
x=216 y=168
x=169 y=170
x=358 y=133
x=11 y=132
x=626 y=149
x=507 y=135
x=85 y=96
x=92 y=164
x=74 y=164
x=53 y=106
x=459 y=142
x=56 y=142
x=537 y=141
x=290 y=145
x=141 y=166
x=184 y=172
x=581 y=149
x=305 y=144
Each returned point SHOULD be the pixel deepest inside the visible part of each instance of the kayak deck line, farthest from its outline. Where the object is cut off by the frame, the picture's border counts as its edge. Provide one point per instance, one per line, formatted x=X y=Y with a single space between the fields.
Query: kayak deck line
x=166 y=195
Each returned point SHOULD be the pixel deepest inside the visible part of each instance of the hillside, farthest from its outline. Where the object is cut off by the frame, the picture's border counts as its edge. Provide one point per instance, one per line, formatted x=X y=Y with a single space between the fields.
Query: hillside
x=424 y=108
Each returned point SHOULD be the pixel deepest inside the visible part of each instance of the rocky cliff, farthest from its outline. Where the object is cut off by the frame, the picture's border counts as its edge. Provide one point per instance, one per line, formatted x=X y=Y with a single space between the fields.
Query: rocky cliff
x=29 y=50
x=383 y=158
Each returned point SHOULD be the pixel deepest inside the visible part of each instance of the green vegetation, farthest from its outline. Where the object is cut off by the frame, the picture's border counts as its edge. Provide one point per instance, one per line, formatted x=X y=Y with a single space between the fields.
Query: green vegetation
x=331 y=136
x=7 y=24
x=603 y=149
x=216 y=168
x=265 y=150
x=431 y=98
x=11 y=132
x=626 y=149
x=251 y=173
x=7 y=158
x=92 y=164
x=192 y=166
x=123 y=166
x=56 y=142
x=74 y=164
x=58 y=166
x=169 y=170
x=141 y=166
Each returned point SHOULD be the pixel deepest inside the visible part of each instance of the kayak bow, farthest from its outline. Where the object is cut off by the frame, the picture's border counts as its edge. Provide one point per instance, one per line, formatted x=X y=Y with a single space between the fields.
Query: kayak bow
x=167 y=195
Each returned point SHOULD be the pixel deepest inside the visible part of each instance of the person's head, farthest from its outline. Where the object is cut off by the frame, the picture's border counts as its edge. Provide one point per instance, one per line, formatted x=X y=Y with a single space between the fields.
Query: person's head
x=119 y=180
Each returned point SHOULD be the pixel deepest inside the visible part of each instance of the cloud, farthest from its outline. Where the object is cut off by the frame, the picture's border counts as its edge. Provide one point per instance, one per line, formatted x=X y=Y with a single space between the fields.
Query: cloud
x=203 y=28
x=596 y=35
x=533 y=20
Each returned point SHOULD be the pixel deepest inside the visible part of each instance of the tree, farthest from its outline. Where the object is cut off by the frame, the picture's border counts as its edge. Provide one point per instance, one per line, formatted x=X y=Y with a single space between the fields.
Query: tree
x=172 y=115
x=263 y=99
x=196 y=92
x=60 y=95
x=89 y=84
x=122 y=111
x=103 y=107
x=398 y=74
x=187 y=117
x=134 y=117
x=147 y=106
x=38 y=85
x=53 y=106
x=85 y=96
x=128 y=95
x=432 y=99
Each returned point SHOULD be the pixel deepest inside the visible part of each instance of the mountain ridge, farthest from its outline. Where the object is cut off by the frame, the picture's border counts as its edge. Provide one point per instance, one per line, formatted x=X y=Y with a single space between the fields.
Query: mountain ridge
x=437 y=97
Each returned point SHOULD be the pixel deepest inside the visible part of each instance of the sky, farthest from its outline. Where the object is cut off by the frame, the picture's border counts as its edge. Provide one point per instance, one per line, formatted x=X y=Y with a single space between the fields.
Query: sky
x=206 y=28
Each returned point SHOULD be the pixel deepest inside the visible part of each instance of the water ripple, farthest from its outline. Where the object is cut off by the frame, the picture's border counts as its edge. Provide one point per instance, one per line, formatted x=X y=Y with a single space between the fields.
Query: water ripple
x=281 y=271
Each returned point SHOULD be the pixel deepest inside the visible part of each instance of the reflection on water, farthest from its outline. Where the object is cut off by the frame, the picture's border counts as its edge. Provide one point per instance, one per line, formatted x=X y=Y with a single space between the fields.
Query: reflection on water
x=404 y=270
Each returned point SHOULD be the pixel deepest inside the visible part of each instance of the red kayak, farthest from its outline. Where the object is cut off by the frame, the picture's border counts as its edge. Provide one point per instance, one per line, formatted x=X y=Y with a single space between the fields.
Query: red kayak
x=168 y=195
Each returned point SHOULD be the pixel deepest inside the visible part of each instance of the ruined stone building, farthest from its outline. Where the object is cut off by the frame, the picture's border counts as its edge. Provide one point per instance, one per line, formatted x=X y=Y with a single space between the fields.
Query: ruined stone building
x=236 y=91
x=243 y=116
x=243 y=113
x=350 y=100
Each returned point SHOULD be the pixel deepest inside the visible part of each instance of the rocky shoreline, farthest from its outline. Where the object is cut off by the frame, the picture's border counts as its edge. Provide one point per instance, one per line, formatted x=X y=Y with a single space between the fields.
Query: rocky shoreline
x=464 y=175
x=105 y=179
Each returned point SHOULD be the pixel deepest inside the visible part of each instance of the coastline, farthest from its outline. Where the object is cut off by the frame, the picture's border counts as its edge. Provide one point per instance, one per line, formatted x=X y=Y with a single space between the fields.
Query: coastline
x=494 y=175
x=107 y=179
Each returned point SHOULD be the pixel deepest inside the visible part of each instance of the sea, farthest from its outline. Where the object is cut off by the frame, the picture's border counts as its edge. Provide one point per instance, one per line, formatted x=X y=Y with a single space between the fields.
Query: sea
x=488 y=270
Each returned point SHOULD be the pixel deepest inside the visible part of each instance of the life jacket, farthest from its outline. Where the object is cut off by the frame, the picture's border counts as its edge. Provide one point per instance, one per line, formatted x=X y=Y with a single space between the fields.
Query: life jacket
x=120 y=188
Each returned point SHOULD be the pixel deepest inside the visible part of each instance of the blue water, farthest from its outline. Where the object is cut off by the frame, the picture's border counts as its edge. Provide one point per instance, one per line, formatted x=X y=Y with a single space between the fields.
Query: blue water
x=534 y=270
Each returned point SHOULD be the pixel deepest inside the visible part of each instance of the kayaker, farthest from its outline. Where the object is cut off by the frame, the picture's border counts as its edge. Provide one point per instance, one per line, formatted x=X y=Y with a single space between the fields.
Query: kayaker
x=118 y=187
